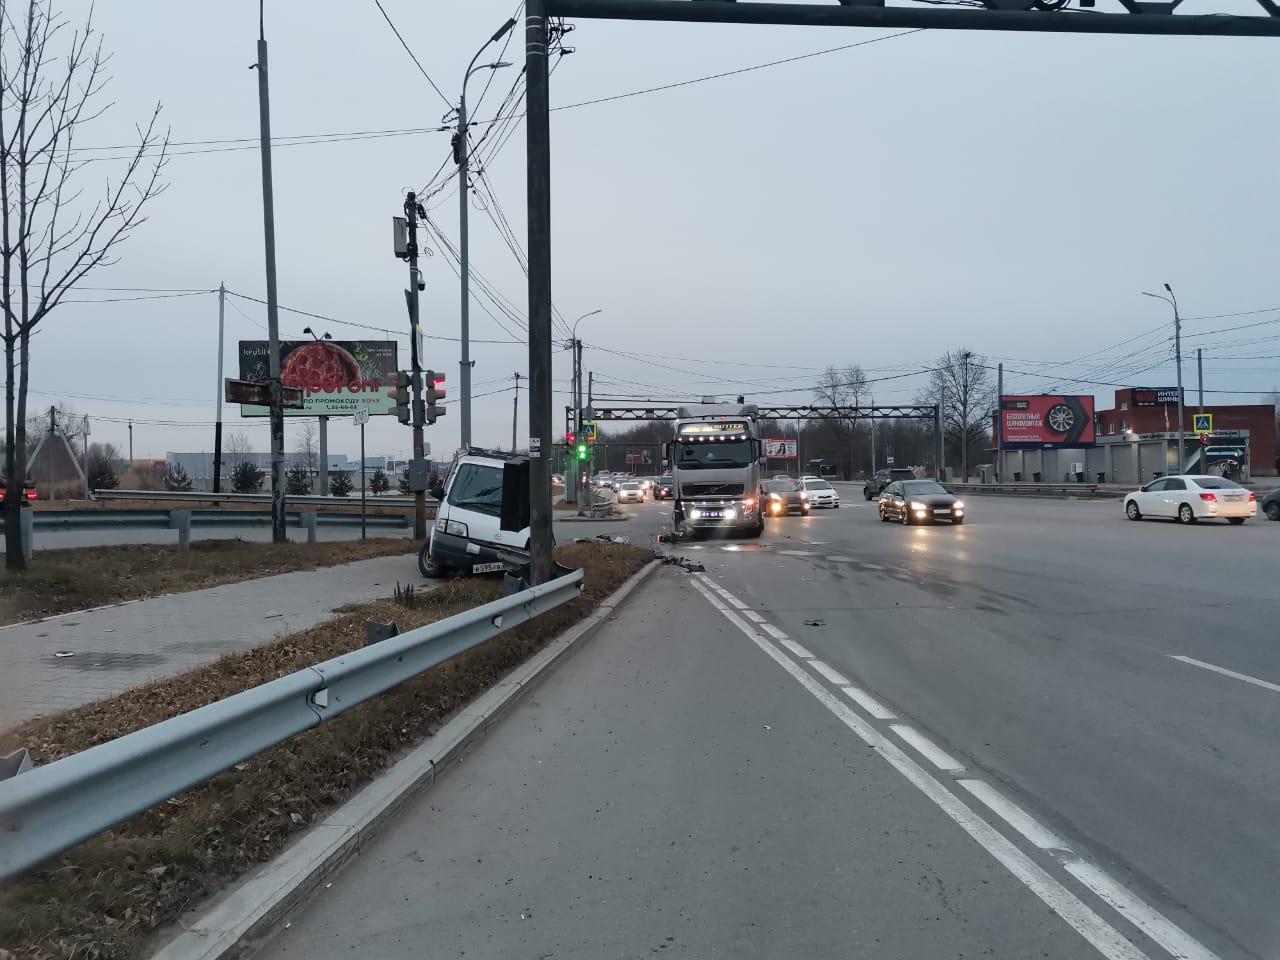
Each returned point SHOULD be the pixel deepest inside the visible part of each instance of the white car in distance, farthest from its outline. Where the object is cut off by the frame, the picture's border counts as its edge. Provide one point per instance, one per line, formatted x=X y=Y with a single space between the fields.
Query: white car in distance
x=630 y=491
x=1192 y=497
x=819 y=492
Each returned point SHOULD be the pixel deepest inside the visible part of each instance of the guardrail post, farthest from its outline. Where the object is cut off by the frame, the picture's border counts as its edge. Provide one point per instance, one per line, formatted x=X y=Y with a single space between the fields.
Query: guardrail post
x=309 y=518
x=27 y=532
x=181 y=521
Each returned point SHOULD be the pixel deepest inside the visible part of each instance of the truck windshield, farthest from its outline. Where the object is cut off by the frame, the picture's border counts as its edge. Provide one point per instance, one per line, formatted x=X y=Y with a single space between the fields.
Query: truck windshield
x=713 y=456
x=477 y=487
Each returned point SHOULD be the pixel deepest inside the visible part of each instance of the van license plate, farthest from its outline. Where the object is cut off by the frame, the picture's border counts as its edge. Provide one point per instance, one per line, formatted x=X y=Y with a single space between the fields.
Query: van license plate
x=488 y=567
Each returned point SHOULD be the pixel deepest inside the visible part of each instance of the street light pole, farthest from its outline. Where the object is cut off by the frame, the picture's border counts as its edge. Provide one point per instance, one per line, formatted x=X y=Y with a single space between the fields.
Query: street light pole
x=1177 y=354
x=460 y=153
x=575 y=469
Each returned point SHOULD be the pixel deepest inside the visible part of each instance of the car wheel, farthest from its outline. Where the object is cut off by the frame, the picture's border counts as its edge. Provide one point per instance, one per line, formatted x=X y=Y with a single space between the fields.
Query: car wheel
x=905 y=518
x=867 y=494
x=428 y=567
x=1131 y=511
x=883 y=518
x=1273 y=511
x=1235 y=521
x=1186 y=514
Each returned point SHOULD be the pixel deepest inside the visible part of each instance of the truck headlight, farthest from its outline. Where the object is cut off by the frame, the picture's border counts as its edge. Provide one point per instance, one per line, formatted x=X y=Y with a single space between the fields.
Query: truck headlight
x=455 y=527
x=695 y=514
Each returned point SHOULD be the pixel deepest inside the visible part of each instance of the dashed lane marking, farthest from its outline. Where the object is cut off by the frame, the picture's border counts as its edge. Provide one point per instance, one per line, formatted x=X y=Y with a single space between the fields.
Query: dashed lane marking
x=1265 y=684
x=832 y=675
x=868 y=703
x=928 y=749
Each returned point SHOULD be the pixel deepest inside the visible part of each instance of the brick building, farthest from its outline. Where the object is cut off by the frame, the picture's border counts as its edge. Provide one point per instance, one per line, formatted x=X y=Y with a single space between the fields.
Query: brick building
x=1249 y=429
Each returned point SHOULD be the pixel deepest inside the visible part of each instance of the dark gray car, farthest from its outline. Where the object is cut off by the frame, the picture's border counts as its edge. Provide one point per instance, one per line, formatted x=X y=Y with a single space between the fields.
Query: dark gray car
x=1270 y=505
x=780 y=497
x=919 y=501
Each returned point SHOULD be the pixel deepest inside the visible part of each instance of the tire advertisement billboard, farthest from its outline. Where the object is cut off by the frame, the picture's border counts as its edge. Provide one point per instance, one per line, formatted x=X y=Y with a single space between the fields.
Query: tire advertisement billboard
x=337 y=378
x=1036 y=422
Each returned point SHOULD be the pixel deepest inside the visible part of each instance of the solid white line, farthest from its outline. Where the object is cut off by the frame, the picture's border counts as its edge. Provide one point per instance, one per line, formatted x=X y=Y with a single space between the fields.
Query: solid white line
x=799 y=553
x=1227 y=673
x=1015 y=816
x=797 y=649
x=1062 y=901
x=838 y=559
x=773 y=631
x=753 y=616
x=833 y=675
x=868 y=703
x=931 y=751
x=1180 y=944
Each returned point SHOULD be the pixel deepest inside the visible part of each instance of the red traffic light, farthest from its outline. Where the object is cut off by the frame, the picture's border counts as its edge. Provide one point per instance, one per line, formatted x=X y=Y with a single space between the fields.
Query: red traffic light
x=568 y=439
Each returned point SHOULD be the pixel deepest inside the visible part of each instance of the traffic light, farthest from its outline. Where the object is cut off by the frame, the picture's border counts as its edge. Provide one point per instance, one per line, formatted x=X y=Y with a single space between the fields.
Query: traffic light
x=401 y=383
x=568 y=439
x=433 y=393
x=581 y=451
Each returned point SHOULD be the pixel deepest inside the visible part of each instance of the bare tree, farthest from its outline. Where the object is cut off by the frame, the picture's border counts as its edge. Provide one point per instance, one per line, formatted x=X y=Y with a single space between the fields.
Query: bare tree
x=844 y=387
x=961 y=382
x=237 y=445
x=308 y=450
x=54 y=234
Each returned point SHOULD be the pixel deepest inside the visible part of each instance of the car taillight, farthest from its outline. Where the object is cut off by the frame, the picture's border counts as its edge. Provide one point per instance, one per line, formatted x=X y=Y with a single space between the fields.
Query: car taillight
x=1253 y=497
x=31 y=494
x=1212 y=497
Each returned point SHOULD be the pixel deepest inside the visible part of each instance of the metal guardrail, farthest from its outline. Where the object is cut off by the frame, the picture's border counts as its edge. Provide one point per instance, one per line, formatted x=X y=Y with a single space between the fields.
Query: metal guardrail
x=200 y=496
x=100 y=519
x=51 y=808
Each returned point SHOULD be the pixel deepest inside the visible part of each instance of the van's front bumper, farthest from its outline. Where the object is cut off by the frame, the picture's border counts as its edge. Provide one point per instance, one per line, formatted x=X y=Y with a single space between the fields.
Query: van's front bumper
x=459 y=553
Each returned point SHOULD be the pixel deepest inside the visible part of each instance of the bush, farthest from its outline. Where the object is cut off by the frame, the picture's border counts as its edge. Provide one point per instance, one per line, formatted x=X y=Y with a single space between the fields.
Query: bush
x=340 y=485
x=101 y=467
x=379 y=483
x=176 y=478
x=297 y=481
x=247 y=478
x=403 y=483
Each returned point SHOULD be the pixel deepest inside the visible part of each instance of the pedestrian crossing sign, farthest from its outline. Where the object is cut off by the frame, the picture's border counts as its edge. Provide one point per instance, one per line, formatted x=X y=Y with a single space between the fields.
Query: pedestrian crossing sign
x=587 y=431
x=1202 y=423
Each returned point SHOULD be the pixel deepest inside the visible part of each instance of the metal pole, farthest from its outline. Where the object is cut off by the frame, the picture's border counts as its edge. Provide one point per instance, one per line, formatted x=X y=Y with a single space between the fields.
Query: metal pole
x=411 y=298
x=999 y=422
x=217 y=429
x=130 y=446
x=273 y=317
x=538 y=130
x=85 y=457
x=577 y=419
x=1200 y=375
x=464 y=257
x=937 y=427
x=324 y=456
x=362 y=484
x=515 y=411
x=1177 y=352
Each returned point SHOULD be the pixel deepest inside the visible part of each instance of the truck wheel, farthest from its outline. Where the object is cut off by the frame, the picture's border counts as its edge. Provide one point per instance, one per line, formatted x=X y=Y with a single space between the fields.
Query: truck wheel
x=428 y=567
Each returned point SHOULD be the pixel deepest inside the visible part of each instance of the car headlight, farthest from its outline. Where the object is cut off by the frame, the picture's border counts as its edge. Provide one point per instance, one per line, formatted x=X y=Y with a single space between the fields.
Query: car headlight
x=918 y=507
x=775 y=497
x=748 y=503
x=958 y=505
x=803 y=495
x=455 y=527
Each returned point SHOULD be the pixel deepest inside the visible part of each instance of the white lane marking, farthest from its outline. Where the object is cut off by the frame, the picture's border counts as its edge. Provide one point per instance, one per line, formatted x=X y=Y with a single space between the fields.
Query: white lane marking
x=1226 y=673
x=797 y=649
x=753 y=616
x=1062 y=901
x=838 y=559
x=1015 y=816
x=799 y=553
x=1180 y=944
x=930 y=750
x=773 y=631
x=868 y=703
x=833 y=675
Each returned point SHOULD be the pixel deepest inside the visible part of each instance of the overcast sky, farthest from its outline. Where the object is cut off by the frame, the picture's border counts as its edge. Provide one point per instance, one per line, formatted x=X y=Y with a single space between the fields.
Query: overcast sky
x=1013 y=193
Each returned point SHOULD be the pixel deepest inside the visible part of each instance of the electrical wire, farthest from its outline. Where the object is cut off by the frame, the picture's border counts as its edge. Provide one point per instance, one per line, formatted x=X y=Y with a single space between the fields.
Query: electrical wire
x=412 y=55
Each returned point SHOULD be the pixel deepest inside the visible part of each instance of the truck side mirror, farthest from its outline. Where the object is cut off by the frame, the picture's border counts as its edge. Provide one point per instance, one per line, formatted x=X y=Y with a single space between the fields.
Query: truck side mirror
x=437 y=491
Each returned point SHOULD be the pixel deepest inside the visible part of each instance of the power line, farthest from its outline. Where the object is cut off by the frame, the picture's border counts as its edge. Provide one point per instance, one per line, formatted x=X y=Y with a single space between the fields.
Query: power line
x=412 y=56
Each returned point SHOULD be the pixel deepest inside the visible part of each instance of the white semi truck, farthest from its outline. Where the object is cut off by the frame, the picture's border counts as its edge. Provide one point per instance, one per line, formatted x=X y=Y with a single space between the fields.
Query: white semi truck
x=716 y=465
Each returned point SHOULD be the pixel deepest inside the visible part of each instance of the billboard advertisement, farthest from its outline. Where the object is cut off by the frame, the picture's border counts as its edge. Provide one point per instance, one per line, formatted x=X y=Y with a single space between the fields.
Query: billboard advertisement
x=1034 y=422
x=337 y=377
x=780 y=449
x=1155 y=396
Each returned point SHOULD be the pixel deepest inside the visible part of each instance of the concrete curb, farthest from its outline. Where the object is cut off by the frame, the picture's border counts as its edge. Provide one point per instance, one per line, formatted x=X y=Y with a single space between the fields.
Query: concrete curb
x=591 y=519
x=243 y=917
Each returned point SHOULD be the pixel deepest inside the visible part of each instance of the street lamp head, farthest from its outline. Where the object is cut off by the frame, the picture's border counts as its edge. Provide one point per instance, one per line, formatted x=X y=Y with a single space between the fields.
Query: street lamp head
x=499 y=65
x=502 y=30
x=1169 y=288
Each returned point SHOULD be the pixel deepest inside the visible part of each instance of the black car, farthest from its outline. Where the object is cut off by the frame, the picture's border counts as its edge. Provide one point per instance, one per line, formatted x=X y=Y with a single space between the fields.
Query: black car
x=663 y=488
x=1271 y=505
x=783 y=496
x=876 y=483
x=919 y=501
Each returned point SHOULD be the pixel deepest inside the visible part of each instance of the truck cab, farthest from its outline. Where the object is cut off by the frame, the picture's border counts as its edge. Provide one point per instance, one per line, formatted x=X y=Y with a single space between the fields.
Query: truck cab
x=716 y=471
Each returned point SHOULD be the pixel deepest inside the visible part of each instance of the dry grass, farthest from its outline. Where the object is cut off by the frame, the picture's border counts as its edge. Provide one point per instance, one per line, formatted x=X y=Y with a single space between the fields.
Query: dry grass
x=59 y=581
x=105 y=897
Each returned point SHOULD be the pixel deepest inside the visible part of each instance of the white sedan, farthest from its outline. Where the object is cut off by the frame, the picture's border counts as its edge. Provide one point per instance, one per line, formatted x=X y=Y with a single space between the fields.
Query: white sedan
x=630 y=491
x=1192 y=497
x=819 y=493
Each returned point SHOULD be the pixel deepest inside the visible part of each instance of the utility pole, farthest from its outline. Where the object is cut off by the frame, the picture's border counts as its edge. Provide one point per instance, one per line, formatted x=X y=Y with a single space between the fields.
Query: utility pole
x=1177 y=353
x=1200 y=376
x=85 y=457
x=273 y=315
x=411 y=211
x=999 y=421
x=575 y=465
x=217 y=427
x=938 y=419
x=130 y=444
x=461 y=157
x=324 y=456
x=515 y=409
x=538 y=160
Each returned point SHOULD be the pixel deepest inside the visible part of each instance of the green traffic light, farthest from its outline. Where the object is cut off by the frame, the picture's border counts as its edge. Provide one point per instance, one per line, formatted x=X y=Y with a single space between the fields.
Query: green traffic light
x=582 y=451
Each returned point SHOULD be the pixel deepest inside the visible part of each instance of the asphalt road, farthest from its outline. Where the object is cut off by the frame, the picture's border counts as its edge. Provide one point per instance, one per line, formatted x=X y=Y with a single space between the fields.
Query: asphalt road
x=852 y=738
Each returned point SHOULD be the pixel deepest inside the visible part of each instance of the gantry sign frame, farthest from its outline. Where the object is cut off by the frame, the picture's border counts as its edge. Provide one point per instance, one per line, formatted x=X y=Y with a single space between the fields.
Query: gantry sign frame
x=1140 y=17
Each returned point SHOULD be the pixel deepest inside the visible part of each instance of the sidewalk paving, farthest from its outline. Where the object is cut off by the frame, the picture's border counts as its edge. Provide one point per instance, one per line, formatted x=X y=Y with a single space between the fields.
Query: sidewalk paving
x=119 y=647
